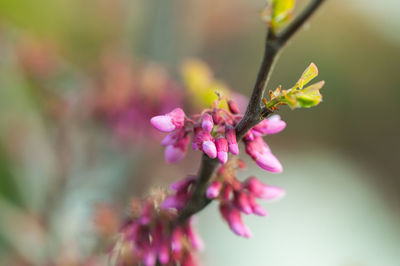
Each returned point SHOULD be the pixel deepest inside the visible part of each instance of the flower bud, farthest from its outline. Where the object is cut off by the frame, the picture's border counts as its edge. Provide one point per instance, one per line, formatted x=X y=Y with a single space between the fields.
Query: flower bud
x=214 y=189
x=271 y=125
x=170 y=121
x=207 y=122
x=240 y=200
x=230 y=135
x=233 y=107
x=262 y=155
x=210 y=149
x=222 y=149
x=260 y=190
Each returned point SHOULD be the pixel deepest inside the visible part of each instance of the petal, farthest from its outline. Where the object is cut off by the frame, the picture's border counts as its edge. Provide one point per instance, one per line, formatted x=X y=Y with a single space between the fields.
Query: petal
x=269 y=162
x=222 y=157
x=210 y=149
x=173 y=154
x=163 y=123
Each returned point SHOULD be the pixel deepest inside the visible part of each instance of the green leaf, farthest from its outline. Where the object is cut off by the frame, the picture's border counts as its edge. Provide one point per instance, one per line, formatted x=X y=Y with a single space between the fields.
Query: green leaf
x=309 y=96
x=310 y=73
x=308 y=100
x=282 y=11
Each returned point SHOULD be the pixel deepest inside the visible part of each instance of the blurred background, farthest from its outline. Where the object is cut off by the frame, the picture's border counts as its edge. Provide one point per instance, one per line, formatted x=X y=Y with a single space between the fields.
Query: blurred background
x=79 y=81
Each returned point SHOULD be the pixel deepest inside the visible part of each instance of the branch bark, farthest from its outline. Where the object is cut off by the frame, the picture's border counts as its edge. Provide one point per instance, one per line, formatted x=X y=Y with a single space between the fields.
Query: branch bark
x=254 y=114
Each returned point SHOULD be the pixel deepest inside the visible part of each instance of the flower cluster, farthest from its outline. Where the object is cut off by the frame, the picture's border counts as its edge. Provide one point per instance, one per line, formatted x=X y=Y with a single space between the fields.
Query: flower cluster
x=213 y=132
x=150 y=236
x=237 y=197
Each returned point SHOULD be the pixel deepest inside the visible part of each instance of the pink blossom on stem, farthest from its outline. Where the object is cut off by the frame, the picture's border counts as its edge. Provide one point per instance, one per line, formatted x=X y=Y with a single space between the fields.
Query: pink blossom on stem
x=256 y=208
x=271 y=125
x=183 y=183
x=214 y=189
x=194 y=237
x=233 y=107
x=163 y=252
x=207 y=122
x=261 y=153
x=170 y=121
x=204 y=141
x=149 y=258
x=176 y=152
x=176 y=239
x=260 y=190
x=241 y=201
x=230 y=135
x=234 y=219
x=210 y=149
x=222 y=149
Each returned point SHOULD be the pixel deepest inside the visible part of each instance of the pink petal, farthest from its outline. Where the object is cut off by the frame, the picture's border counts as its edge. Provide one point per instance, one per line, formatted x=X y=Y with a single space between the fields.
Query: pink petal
x=273 y=193
x=269 y=162
x=213 y=190
x=210 y=149
x=173 y=154
x=234 y=149
x=163 y=123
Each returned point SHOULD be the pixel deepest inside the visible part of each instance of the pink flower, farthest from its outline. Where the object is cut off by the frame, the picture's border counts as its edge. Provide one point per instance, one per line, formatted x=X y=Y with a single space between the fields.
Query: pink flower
x=214 y=189
x=170 y=121
x=193 y=236
x=241 y=201
x=177 y=151
x=204 y=141
x=207 y=122
x=233 y=107
x=256 y=208
x=222 y=149
x=233 y=217
x=260 y=190
x=230 y=135
x=269 y=126
x=262 y=155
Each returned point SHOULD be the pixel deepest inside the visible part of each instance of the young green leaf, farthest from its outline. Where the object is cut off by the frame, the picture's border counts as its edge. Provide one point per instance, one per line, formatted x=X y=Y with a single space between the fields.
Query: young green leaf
x=282 y=11
x=310 y=73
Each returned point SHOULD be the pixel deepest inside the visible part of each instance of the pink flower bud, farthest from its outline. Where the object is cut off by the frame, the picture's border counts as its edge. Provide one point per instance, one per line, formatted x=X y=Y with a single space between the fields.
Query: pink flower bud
x=149 y=258
x=269 y=162
x=176 y=152
x=216 y=117
x=163 y=252
x=257 y=209
x=177 y=201
x=274 y=193
x=176 y=239
x=233 y=107
x=214 y=189
x=170 y=121
x=261 y=153
x=234 y=219
x=241 y=201
x=222 y=149
x=226 y=192
x=260 y=190
x=269 y=126
x=207 y=122
x=194 y=238
x=169 y=139
x=173 y=154
x=230 y=135
x=210 y=149
x=183 y=184
x=249 y=135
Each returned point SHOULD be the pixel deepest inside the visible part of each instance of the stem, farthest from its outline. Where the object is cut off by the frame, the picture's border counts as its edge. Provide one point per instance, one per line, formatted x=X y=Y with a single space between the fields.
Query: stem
x=254 y=114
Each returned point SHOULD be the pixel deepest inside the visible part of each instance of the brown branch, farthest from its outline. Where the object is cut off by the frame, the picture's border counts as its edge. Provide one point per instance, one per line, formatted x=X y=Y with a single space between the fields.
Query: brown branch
x=254 y=114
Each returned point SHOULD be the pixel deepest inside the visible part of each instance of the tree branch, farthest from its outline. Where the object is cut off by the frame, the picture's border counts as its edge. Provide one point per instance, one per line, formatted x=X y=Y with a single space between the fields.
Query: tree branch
x=254 y=114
